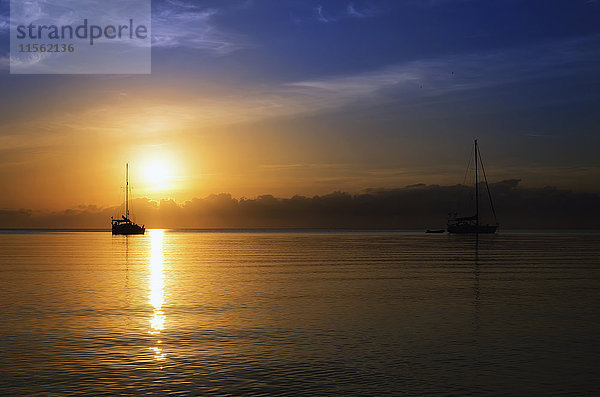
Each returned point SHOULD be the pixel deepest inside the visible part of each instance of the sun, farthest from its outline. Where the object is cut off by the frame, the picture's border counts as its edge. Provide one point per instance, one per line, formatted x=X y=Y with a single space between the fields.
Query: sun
x=157 y=174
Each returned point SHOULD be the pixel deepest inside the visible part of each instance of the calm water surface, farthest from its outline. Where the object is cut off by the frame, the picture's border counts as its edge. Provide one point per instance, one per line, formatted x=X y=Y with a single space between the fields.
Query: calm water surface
x=306 y=313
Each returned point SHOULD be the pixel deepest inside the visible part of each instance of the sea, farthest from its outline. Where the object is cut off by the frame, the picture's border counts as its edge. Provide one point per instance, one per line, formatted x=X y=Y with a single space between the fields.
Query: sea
x=299 y=313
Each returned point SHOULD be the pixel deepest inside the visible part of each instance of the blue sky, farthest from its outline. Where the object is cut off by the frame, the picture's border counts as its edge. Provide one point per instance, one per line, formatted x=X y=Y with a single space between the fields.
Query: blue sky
x=365 y=93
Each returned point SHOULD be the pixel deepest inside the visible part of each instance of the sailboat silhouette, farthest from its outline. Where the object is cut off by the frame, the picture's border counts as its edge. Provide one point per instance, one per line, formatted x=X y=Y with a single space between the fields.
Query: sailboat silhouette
x=471 y=224
x=125 y=225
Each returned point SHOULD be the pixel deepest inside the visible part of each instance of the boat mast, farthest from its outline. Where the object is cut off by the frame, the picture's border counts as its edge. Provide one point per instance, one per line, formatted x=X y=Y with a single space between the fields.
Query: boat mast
x=127 y=191
x=476 y=187
x=488 y=190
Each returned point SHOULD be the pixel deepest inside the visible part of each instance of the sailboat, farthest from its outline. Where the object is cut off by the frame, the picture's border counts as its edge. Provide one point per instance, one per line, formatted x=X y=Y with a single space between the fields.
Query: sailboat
x=471 y=224
x=125 y=225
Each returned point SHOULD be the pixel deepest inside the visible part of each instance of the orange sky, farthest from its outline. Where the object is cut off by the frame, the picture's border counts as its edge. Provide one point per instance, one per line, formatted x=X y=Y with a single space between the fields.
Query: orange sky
x=311 y=105
x=181 y=150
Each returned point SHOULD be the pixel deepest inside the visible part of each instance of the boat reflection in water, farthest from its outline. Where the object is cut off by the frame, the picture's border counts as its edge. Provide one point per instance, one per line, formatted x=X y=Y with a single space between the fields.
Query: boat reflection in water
x=156 y=294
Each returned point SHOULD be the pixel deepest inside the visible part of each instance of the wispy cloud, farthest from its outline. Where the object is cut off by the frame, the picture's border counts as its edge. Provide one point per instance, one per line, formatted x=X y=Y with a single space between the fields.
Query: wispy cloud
x=175 y=24
x=426 y=79
x=410 y=86
x=350 y=11
x=320 y=16
x=182 y=4
x=4 y=23
x=179 y=24
x=74 y=13
x=361 y=13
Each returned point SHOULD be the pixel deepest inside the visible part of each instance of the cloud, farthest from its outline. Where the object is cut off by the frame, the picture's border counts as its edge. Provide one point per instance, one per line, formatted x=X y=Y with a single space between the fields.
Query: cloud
x=178 y=24
x=175 y=24
x=4 y=23
x=350 y=11
x=422 y=81
x=410 y=86
x=361 y=13
x=44 y=13
x=320 y=16
x=182 y=4
x=416 y=206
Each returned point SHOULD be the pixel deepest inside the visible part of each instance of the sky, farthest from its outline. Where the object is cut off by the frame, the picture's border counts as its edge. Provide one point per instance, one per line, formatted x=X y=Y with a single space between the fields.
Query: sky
x=309 y=97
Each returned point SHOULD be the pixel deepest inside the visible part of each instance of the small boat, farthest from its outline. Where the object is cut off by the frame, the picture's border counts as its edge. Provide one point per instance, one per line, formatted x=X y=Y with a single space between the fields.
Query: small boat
x=471 y=224
x=125 y=225
x=435 y=231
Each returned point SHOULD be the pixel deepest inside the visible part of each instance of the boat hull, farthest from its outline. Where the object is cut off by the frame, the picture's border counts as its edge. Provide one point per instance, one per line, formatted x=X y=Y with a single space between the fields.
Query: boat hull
x=472 y=229
x=128 y=228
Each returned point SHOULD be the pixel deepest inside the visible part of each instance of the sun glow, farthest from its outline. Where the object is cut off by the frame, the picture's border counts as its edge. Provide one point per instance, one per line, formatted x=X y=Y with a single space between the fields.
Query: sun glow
x=158 y=174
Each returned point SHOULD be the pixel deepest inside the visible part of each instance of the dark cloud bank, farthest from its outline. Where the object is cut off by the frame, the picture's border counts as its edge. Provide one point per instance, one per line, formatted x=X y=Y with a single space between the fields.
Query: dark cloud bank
x=411 y=207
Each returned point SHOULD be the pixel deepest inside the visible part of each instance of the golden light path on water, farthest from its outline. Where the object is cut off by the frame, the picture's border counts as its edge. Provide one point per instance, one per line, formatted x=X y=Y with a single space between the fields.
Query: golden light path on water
x=156 y=295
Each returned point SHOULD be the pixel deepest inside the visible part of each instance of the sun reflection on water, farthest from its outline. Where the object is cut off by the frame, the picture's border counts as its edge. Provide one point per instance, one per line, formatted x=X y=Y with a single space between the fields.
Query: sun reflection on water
x=156 y=295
